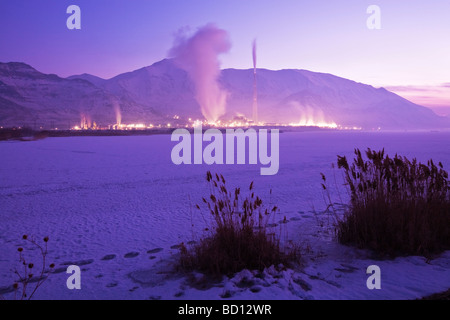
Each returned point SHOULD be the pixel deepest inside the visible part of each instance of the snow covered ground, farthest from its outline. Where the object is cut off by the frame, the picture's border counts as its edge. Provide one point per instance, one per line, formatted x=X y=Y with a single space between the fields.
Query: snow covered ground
x=118 y=207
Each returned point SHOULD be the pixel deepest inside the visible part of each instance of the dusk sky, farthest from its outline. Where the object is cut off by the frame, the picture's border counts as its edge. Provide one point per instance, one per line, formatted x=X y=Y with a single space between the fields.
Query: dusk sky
x=410 y=54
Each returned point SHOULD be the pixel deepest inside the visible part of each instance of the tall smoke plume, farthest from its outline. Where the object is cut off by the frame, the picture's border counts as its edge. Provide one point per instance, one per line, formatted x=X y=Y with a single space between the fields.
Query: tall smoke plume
x=255 y=92
x=198 y=55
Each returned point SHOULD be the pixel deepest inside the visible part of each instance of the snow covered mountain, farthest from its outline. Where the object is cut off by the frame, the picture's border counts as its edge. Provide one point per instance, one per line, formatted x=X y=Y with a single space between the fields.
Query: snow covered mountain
x=300 y=96
x=28 y=97
x=157 y=93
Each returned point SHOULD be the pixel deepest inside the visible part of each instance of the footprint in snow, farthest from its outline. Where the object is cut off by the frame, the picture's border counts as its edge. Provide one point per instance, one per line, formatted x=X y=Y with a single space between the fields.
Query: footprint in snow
x=112 y=285
x=108 y=257
x=78 y=263
x=346 y=268
x=59 y=270
x=155 y=250
x=131 y=254
x=303 y=284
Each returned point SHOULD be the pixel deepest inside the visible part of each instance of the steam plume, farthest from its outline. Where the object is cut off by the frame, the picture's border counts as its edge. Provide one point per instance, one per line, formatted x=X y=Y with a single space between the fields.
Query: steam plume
x=198 y=55
x=254 y=56
x=117 y=112
x=255 y=92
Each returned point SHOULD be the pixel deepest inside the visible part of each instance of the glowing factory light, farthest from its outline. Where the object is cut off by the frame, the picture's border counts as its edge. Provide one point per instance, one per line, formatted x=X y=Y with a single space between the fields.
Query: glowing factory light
x=240 y=123
x=197 y=123
x=350 y=128
x=135 y=126
x=331 y=125
x=213 y=123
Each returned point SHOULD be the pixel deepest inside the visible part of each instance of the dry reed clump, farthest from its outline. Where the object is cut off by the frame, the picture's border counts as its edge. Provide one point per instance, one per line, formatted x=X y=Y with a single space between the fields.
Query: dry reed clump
x=239 y=238
x=397 y=206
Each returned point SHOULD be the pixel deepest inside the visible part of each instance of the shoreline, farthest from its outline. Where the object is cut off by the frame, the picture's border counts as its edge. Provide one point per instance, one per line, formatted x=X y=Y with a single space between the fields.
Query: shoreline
x=27 y=134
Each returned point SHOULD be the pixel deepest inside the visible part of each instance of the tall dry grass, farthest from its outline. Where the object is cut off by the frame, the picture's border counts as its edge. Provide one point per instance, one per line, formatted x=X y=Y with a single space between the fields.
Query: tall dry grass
x=397 y=206
x=240 y=237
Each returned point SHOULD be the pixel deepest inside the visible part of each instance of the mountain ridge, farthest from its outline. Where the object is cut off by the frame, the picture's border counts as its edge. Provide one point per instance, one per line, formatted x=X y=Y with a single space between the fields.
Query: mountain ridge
x=162 y=91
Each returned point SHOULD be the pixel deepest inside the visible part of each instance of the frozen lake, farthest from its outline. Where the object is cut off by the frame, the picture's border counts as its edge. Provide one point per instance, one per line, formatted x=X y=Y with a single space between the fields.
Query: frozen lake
x=95 y=196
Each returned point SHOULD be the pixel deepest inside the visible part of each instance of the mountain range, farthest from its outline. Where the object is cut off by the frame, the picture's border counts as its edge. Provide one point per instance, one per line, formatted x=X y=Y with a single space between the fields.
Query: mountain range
x=161 y=92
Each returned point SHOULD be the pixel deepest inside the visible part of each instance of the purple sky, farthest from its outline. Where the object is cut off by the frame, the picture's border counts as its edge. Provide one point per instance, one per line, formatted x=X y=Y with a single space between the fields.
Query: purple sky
x=410 y=54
